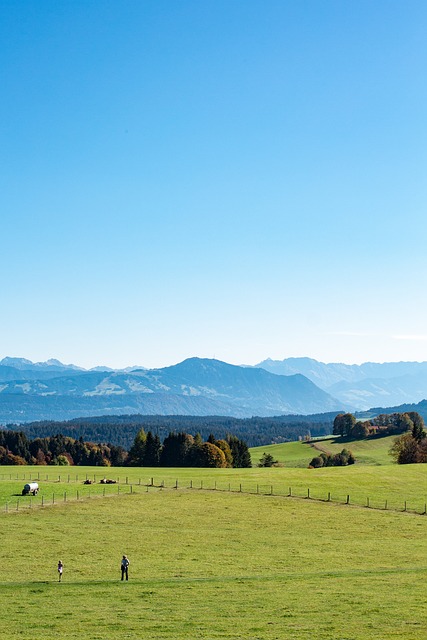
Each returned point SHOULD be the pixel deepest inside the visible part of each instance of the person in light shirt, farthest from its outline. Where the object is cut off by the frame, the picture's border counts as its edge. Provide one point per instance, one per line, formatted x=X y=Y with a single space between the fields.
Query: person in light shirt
x=125 y=567
x=60 y=569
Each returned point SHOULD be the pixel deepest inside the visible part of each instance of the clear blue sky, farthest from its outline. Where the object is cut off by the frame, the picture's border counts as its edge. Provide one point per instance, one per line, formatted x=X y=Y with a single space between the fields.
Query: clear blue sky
x=238 y=179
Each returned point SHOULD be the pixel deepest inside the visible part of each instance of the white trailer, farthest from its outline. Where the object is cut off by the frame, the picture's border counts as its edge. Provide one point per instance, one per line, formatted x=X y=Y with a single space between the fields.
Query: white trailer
x=31 y=488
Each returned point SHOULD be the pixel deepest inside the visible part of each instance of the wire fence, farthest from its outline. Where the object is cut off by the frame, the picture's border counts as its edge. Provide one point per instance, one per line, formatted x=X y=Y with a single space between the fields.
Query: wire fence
x=93 y=487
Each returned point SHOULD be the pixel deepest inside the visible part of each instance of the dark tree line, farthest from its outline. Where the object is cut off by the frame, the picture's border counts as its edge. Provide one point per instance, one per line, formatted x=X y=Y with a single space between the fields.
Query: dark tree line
x=177 y=450
x=121 y=430
x=17 y=449
x=184 y=450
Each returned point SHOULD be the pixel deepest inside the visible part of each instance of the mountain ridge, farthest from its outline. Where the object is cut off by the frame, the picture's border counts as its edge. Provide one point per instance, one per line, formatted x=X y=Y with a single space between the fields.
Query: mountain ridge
x=361 y=386
x=196 y=385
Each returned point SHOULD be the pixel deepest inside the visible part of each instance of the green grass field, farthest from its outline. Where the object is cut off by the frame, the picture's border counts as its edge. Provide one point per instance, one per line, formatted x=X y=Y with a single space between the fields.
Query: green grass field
x=214 y=558
x=371 y=451
x=208 y=564
x=393 y=484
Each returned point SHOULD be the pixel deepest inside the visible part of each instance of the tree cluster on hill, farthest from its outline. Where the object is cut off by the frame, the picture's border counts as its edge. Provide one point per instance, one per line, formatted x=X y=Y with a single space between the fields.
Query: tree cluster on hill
x=17 y=449
x=184 y=450
x=411 y=447
x=267 y=460
x=121 y=430
x=341 y=459
x=346 y=425
x=177 y=450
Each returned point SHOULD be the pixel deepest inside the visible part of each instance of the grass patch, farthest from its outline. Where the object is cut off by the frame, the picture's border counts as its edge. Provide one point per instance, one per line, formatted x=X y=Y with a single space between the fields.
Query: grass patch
x=212 y=565
x=370 y=451
x=393 y=484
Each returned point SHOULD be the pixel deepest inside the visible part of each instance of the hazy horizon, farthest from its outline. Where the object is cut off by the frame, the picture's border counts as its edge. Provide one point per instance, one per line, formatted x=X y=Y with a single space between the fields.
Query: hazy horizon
x=170 y=364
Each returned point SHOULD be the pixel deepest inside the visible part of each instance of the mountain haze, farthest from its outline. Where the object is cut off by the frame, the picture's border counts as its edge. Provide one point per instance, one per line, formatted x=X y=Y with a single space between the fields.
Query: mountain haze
x=193 y=387
x=360 y=386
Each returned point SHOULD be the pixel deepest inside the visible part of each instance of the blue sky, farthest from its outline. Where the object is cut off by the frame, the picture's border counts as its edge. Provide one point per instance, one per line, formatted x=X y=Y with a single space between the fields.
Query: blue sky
x=236 y=179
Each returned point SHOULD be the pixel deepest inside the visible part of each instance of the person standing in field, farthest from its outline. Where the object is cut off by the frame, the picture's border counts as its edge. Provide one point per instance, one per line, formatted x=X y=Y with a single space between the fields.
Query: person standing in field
x=125 y=567
x=60 y=569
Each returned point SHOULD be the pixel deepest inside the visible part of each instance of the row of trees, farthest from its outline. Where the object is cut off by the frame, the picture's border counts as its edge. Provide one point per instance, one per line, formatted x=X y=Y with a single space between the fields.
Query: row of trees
x=184 y=450
x=409 y=447
x=177 y=450
x=346 y=425
x=121 y=430
x=17 y=449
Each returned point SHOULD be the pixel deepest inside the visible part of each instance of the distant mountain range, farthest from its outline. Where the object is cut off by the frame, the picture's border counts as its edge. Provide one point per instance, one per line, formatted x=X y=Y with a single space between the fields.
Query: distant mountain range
x=360 y=386
x=55 y=391
x=40 y=391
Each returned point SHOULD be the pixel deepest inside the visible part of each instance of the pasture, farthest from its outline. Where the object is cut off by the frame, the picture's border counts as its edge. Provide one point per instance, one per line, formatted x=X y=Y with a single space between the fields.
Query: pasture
x=386 y=487
x=369 y=451
x=209 y=563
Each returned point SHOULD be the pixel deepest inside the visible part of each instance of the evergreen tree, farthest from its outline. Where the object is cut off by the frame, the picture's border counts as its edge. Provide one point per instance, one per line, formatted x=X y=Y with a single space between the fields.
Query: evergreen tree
x=137 y=450
x=153 y=449
x=418 y=432
x=240 y=452
x=176 y=450
x=267 y=460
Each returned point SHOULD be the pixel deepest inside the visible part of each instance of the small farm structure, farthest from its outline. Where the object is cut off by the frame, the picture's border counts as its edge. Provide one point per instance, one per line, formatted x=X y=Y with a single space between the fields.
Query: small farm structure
x=31 y=488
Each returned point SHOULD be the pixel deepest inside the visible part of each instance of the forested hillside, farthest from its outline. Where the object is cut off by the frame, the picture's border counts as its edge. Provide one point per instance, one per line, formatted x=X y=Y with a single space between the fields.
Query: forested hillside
x=121 y=430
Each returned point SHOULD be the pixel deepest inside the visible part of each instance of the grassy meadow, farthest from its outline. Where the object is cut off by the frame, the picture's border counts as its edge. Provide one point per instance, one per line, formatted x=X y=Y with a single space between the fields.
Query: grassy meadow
x=216 y=557
x=370 y=451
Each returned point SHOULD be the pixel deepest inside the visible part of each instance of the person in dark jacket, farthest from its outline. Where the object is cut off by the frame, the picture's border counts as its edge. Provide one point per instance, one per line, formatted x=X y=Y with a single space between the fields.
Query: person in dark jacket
x=125 y=567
